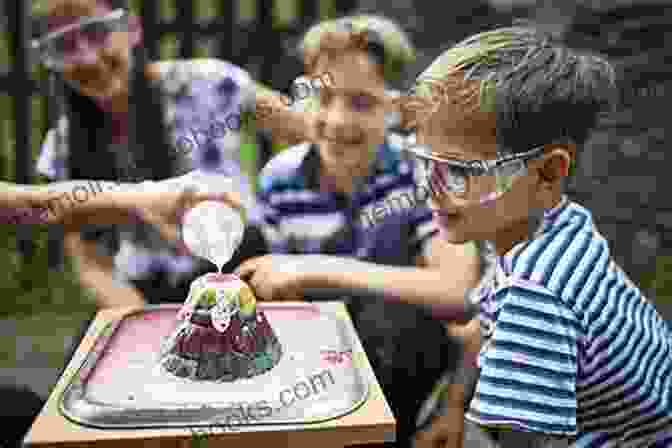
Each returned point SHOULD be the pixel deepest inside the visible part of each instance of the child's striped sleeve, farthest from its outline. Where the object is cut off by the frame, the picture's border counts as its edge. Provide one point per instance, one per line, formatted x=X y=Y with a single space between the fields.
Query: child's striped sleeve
x=529 y=365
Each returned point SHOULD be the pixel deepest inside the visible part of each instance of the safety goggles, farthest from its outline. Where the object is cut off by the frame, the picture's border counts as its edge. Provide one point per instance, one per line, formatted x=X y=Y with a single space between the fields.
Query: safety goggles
x=80 y=40
x=472 y=181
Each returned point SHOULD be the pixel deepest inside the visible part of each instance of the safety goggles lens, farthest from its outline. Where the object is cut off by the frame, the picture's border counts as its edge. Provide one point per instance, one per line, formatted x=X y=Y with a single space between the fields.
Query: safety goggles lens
x=75 y=41
x=471 y=181
x=443 y=177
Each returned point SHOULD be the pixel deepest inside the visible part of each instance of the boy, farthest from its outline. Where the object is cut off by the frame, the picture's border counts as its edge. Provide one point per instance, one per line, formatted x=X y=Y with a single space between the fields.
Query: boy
x=312 y=191
x=572 y=352
x=327 y=198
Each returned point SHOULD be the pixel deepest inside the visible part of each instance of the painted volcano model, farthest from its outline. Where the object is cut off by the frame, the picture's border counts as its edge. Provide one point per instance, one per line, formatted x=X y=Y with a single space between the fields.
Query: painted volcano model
x=220 y=335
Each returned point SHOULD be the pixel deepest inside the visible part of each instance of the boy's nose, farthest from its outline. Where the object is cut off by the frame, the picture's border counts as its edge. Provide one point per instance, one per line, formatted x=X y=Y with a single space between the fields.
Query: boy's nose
x=442 y=204
x=336 y=116
x=337 y=123
x=85 y=55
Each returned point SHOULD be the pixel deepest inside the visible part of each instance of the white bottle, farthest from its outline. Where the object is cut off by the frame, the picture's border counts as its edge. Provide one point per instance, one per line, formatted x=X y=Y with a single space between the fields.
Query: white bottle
x=213 y=230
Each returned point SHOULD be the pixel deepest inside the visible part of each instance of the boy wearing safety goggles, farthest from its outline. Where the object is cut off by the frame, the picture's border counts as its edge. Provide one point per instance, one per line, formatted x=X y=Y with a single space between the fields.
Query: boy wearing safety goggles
x=573 y=353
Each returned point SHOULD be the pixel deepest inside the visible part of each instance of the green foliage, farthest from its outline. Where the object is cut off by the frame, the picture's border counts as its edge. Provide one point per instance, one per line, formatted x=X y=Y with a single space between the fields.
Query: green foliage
x=660 y=281
x=29 y=287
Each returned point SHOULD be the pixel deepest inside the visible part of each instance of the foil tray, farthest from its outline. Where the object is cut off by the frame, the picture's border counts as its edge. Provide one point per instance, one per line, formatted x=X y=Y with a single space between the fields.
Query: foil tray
x=120 y=385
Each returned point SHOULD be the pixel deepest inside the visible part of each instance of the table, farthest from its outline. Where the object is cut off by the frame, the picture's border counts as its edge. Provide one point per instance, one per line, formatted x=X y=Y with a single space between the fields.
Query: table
x=371 y=423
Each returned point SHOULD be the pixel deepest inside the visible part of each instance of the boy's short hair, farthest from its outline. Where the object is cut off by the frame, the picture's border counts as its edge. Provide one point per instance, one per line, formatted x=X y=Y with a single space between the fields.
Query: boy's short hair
x=537 y=90
x=379 y=36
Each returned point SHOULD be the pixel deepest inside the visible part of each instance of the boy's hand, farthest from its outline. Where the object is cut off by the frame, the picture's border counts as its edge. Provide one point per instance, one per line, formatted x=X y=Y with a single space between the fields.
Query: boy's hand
x=441 y=434
x=277 y=277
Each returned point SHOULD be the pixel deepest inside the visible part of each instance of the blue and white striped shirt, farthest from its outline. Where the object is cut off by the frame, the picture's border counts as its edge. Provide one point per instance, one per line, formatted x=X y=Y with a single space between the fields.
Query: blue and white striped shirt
x=299 y=216
x=572 y=346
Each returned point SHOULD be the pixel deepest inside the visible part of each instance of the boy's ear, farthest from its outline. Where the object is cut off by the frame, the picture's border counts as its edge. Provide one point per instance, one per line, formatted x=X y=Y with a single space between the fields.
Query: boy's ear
x=555 y=165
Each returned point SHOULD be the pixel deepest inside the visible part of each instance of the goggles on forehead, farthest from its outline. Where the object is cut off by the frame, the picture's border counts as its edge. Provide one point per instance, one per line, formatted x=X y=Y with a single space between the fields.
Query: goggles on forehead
x=468 y=179
x=61 y=47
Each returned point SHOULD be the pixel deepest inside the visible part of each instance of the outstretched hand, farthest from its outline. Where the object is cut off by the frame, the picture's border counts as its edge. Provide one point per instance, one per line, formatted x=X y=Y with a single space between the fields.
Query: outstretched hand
x=162 y=206
x=278 y=277
x=165 y=209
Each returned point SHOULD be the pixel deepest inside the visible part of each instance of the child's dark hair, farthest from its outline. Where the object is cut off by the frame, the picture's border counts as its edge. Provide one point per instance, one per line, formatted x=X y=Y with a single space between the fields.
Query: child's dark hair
x=538 y=90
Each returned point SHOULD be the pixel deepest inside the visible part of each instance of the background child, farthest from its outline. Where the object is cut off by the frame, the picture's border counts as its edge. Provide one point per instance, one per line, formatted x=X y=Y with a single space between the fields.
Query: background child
x=572 y=351
x=132 y=118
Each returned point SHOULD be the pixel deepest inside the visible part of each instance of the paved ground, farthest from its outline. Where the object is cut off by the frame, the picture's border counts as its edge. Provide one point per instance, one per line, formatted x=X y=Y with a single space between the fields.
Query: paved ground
x=34 y=361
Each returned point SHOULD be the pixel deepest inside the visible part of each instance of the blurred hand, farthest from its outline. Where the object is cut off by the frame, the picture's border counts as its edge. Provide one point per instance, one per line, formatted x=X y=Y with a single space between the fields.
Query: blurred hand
x=277 y=277
x=441 y=434
x=165 y=209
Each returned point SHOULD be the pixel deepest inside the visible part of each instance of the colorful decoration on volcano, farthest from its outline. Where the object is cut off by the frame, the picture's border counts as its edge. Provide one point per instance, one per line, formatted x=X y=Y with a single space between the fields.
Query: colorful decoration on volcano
x=220 y=334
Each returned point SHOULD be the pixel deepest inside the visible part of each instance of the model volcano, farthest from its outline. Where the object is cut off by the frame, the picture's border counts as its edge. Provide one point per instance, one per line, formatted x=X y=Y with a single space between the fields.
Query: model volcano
x=221 y=336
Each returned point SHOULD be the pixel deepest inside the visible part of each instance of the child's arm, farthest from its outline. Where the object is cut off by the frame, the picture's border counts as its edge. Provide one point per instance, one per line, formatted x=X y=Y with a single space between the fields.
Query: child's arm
x=447 y=431
x=530 y=380
x=442 y=417
x=75 y=203
x=277 y=277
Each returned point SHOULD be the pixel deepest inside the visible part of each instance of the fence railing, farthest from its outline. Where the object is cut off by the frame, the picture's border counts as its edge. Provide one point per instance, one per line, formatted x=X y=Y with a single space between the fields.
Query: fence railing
x=18 y=82
x=255 y=44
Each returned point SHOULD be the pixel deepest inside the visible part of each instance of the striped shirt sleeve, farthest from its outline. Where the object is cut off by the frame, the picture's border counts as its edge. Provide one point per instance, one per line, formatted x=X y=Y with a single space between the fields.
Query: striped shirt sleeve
x=529 y=365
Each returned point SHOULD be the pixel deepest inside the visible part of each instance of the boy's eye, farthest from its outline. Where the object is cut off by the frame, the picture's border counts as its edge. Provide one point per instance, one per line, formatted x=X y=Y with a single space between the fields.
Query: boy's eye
x=96 y=32
x=65 y=44
x=362 y=103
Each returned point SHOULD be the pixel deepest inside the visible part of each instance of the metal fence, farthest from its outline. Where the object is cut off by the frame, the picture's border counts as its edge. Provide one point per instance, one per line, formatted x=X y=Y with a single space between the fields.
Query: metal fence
x=259 y=44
